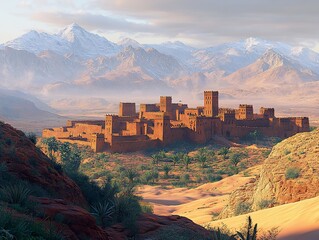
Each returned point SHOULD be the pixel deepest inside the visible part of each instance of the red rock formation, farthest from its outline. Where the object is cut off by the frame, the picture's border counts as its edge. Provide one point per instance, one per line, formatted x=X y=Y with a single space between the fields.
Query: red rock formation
x=75 y=222
x=151 y=225
x=27 y=162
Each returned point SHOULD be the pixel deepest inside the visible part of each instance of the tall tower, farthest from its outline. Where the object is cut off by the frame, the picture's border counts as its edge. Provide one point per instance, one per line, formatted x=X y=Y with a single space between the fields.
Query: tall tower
x=162 y=129
x=210 y=103
x=166 y=104
x=127 y=109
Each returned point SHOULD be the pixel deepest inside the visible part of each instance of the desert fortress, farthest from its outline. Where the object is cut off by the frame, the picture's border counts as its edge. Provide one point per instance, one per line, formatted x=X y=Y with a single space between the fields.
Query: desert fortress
x=164 y=123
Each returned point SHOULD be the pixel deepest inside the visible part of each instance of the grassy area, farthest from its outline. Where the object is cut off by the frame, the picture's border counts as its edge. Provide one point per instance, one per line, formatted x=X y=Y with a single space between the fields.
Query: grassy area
x=180 y=166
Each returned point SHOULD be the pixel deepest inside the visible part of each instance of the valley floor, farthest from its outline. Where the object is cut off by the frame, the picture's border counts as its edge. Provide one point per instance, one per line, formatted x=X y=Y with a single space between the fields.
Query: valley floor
x=199 y=204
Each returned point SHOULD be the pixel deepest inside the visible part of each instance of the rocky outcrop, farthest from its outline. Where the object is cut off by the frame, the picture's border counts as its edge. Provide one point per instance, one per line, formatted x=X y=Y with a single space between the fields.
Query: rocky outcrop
x=274 y=187
x=27 y=162
x=74 y=222
x=150 y=226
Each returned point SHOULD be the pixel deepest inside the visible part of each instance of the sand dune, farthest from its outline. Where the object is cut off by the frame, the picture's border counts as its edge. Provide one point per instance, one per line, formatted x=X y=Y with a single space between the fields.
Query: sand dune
x=297 y=221
x=198 y=204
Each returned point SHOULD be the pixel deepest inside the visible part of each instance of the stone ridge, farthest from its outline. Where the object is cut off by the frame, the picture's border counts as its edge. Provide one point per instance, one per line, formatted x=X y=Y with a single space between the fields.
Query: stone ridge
x=300 y=152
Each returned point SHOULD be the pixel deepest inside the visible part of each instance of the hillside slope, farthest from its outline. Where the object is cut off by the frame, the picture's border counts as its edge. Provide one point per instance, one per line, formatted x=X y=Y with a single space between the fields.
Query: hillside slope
x=288 y=175
x=47 y=195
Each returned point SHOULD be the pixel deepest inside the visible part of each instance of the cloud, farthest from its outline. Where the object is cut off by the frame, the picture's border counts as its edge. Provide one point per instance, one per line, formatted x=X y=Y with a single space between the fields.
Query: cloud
x=91 y=21
x=272 y=19
x=205 y=21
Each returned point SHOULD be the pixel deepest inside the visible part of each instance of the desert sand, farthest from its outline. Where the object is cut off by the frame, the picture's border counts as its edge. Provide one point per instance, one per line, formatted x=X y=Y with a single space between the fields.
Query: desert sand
x=297 y=221
x=199 y=204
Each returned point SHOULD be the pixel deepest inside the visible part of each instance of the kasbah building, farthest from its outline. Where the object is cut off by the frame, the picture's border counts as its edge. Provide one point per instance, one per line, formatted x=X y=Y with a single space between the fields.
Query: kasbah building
x=165 y=123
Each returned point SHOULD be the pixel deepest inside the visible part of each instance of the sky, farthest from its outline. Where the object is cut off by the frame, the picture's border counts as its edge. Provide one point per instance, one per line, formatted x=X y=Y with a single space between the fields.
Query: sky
x=200 y=23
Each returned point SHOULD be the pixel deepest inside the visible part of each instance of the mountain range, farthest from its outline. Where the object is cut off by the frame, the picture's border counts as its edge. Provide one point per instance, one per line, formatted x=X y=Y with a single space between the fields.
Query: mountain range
x=75 y=62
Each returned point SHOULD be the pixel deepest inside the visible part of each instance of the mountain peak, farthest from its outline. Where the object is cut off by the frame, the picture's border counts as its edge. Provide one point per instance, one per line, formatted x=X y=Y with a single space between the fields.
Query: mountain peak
x=273 y=58
x=71 y=32
x=74 y=26
x=125 y=42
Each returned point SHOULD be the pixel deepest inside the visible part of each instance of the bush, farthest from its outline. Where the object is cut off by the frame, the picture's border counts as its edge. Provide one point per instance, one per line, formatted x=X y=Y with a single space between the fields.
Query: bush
x=214 y=177
x=185 y=178
x=286 y=151
x=32 y=137
x=269 y=235
x=15 y=194
x=266 y=203
x=146 y=207
x=242 y=208
x=103 y=212
x=127 y=209
x=91 y=191
x=292 y=173
x=167 y=168
x=19 y=228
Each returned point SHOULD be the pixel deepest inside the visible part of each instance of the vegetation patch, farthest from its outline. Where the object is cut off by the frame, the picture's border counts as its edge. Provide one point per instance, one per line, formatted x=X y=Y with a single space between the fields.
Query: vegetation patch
x=292 y=173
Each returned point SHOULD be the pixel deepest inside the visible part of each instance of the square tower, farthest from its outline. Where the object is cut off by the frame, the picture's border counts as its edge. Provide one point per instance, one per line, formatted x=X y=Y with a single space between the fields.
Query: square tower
x=166 y=104
x=210 y=103
x=267 y=112
x=127 y=109
x=245 y=112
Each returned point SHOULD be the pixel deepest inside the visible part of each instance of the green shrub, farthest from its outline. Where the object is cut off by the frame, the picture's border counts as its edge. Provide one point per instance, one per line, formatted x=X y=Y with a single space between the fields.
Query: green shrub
x=266 y=153
x=292 y=173
x=250 y=233
x=91 y=191
x=223 y=152
x=266 y=203
x=146 y=208
x=185 y=178
x=167 y=168
x=214 y=177
x=127 y=209
x=19 y=228
x=242 y=208
x=286 y=151
x=32 y=137
x=15 y=194
x=103 y=212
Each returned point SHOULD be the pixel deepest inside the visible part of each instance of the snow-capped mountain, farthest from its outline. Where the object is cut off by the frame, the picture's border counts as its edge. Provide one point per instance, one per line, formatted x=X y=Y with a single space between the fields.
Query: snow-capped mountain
x=86 y=44
x=75 y=61
x=72 y=40
x=177 y=49
x=271 y=70
x=230 y=57
x=126 y=42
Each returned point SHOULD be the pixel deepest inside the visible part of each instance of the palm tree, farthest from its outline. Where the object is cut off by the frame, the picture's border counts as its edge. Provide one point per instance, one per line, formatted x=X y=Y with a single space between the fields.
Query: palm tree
x=223 y=151
x=52 y=145
x=235 y=158
x=202 y=159
x=186 y=160
x=167 y=168
x=175 y=158
x=155 y=159
x=251 y=233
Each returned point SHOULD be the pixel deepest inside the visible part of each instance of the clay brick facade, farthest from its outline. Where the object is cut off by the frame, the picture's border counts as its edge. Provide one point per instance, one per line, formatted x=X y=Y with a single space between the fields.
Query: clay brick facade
x=127 y=109
x=164 y=123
